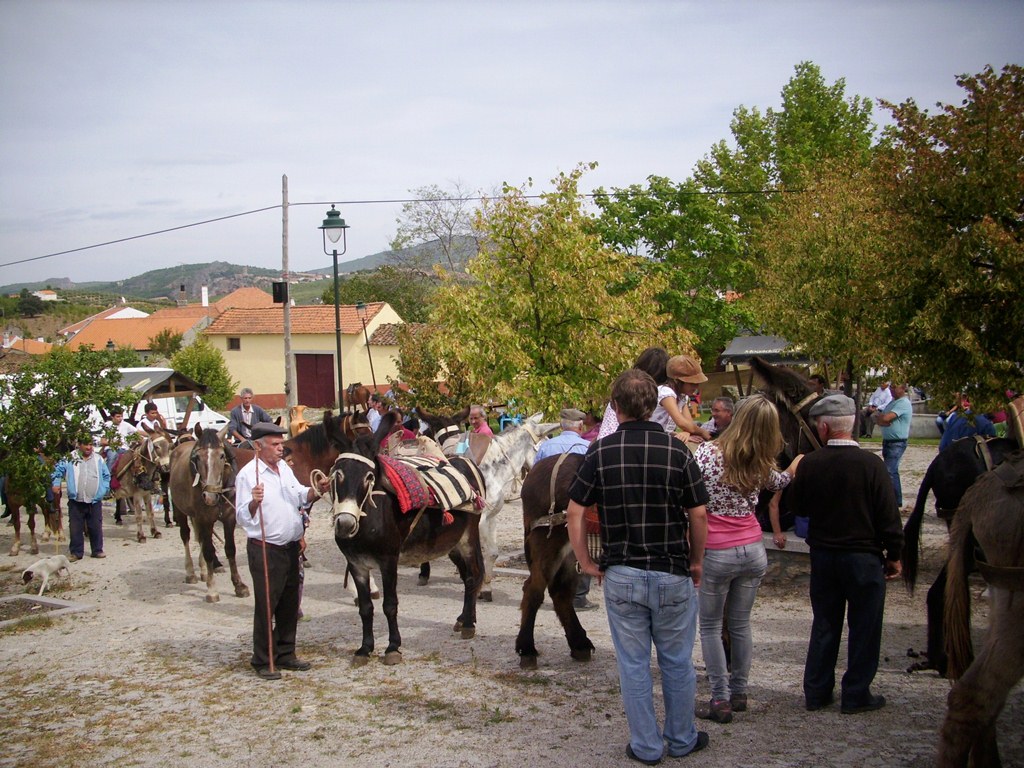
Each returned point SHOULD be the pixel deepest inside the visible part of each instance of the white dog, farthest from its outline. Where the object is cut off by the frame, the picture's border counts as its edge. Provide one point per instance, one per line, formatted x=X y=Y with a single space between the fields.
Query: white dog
x=47 y=567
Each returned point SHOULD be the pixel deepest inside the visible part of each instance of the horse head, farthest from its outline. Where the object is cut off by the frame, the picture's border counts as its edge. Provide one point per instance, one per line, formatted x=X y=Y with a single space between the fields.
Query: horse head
x=159 y=445
x=353 y=479
x=443 y=428
x=212 y=464
x=793 y=397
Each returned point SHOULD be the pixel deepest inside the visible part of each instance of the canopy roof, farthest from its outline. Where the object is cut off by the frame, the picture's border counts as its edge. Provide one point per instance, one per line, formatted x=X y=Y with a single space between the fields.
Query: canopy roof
x=774 y=349
x=159 y=382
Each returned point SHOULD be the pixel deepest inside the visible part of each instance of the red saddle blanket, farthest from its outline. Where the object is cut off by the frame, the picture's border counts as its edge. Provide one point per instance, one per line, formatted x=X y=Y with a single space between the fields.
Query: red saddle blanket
x=409 y=489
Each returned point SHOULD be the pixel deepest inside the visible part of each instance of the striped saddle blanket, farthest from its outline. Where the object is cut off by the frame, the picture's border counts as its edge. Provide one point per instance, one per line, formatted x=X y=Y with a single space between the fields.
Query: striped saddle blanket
x=424 y=481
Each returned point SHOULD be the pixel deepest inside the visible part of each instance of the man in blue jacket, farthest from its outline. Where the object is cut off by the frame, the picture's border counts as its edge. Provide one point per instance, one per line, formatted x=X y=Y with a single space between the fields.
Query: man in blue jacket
x=88 y=480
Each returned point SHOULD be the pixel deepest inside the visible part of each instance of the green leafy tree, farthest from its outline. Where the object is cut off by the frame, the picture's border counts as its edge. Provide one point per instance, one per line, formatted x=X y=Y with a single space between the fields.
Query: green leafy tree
x=953 y=180
x=425 y=378
x=51 y=403
x=29 y=305
x=408 y=292
x=205 y=364
x=166 y=343
x=551 y=315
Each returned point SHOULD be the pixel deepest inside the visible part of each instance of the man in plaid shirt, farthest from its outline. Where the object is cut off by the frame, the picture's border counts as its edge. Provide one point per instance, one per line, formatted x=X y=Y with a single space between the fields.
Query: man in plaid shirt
x=651 y=498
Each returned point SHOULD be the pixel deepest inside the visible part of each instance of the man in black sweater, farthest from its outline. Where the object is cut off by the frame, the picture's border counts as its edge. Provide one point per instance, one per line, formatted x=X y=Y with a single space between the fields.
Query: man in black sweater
x=855 y=537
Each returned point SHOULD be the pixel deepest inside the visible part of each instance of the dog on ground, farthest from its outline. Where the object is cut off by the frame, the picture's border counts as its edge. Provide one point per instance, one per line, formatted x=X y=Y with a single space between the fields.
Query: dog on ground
x=47 y=567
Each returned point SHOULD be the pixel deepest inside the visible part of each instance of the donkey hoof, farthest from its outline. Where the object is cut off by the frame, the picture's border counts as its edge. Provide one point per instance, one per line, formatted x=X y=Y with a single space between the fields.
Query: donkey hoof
x=393 y=657
x=156 y=534
x=486 y=597
x=373 y=596
x=142 y=538
x=242 y=591
x=191 y=580
x=360 y=660
x=213 y=598
x=528 y=662
x=422 y=581
x=34 y=550
x=581 y=654
x=468 y=633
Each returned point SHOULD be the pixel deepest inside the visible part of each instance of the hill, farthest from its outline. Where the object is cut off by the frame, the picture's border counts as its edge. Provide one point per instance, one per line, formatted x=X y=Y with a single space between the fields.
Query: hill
x=221 y=278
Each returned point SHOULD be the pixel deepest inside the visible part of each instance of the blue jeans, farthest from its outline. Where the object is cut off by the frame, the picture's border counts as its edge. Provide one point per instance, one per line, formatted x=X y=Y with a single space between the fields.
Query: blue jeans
x=84 y=516
x=734 y=574
x=892 y=452
x=850 y=583
x=645 y=606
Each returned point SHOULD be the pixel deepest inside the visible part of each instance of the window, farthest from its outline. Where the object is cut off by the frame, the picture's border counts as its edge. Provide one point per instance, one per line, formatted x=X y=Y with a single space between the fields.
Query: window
x=234 y=344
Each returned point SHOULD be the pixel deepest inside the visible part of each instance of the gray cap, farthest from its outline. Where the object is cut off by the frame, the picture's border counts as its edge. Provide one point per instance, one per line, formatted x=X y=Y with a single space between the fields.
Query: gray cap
x=571 y=414
x=834 y=405
x=265 y=428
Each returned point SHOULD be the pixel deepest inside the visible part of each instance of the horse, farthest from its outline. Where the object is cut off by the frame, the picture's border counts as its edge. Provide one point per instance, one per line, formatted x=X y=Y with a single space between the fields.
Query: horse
x=356 y=396
x=549 y=557
x=203 y=493
x=153 y=457
x=949 y=476
x=371 y=531
x=992 y=514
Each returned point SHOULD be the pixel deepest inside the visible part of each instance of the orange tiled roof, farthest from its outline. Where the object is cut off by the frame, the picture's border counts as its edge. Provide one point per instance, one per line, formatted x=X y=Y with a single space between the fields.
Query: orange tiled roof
x=31 y=346
x=386 y=335
x=305 y=319
x=76 y=327
x=250 y=297
x=134 y=333
x=195 y=312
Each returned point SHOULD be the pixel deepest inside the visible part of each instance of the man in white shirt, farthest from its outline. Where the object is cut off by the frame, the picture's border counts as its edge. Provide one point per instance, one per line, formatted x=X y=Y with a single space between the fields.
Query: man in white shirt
x=269 y=502
x=880 y=398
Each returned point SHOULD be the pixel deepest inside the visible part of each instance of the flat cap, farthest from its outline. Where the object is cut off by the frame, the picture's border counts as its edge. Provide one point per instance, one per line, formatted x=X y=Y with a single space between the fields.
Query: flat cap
x=685 y=368
x=834 y=405
x=265 y=428
x=571 y=414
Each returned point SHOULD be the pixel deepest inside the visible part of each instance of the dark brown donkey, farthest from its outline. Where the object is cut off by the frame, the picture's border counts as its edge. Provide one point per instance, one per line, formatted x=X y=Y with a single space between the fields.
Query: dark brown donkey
x=549 y=555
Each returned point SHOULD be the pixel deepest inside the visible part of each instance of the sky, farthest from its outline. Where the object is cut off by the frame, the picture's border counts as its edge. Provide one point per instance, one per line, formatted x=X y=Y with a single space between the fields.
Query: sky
x=123 y=118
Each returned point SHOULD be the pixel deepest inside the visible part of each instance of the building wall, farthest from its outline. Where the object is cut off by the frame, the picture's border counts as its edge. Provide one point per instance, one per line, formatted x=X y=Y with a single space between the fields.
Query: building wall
x=259 y=364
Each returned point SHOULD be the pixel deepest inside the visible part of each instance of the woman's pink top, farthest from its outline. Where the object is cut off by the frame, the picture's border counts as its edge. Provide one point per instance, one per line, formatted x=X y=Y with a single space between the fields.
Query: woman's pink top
x=731 y=519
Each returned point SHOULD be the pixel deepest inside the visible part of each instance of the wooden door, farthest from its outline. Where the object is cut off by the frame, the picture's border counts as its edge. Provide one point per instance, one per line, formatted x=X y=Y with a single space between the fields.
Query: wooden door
x=315 y=380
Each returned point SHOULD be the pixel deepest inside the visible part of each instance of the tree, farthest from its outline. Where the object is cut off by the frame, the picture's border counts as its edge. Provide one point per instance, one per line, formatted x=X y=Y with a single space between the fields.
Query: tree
x=551 y=315
x=701 y=233
x=442 y=218
x=953 y=181
x=53 y=402
x=421 y=368
x=166 y=343
x=29 y=305
x=203 y=363
x=408 y=292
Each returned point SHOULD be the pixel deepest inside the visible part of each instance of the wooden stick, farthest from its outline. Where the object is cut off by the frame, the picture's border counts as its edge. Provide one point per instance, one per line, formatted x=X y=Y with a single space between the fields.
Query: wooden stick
x=266 y=574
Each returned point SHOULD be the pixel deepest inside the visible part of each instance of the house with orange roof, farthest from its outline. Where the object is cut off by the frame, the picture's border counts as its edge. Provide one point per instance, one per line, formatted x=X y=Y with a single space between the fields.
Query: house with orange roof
x=252 y=343
x=134 y=333
x=111 y=313
x=28 y=346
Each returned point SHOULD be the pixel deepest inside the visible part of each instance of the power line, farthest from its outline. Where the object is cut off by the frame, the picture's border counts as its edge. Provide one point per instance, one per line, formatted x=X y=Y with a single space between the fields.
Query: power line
x=342 y=202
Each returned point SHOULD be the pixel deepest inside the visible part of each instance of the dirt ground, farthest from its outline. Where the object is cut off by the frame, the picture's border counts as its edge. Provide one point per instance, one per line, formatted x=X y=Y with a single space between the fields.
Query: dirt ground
x=155 y=676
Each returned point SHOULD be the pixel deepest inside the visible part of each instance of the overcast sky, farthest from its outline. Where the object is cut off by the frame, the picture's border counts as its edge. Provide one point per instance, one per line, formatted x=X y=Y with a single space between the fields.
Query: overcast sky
x=123 y=118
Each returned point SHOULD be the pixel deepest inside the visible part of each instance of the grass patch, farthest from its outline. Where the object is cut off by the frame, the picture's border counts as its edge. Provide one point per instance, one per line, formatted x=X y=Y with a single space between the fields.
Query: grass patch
x=31 y=624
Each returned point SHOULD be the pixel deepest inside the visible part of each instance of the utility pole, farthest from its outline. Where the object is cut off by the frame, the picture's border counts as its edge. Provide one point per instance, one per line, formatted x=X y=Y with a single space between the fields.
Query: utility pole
x=290 y=394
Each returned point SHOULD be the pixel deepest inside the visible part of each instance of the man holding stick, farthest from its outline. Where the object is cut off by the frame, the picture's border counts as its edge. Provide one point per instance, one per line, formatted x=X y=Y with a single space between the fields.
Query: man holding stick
x=269 y=502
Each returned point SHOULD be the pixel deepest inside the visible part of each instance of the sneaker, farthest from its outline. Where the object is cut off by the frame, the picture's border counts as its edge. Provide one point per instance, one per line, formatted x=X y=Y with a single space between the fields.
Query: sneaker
x=873 y=703
x=738 y=702
x=715 y=711
x=583 y=605
x=74 y=558
x=294 y=664
x=702 y=741
x=99 y=555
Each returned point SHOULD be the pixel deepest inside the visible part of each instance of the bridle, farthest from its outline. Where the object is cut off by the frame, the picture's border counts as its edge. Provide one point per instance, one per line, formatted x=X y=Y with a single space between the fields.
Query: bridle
x=337 y=476
x=217 y=489
x=797 y=410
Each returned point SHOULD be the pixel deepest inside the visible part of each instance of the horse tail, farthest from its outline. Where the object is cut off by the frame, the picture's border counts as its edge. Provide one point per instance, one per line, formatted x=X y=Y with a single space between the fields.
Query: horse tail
x=957 y=612
x=912 y=532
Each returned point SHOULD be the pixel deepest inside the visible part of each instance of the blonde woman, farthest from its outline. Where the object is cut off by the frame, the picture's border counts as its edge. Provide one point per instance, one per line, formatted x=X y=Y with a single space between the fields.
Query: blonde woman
x=736 y=468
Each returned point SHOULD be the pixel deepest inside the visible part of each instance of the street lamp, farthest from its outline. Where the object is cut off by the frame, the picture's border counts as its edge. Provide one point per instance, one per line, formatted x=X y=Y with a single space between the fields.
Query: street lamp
x=334 y=230
x=110 y=345
x=361 y=311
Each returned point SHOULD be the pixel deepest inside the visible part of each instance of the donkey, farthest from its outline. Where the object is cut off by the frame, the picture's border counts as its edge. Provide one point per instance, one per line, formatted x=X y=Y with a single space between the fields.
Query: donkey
x=992 y=511
x=203 y=492
x=154 y=458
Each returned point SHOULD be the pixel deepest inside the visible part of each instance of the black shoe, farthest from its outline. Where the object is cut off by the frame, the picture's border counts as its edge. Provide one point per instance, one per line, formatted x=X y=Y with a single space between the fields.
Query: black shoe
x=813 y=705
x=873 y=703
x=633 y=756
x=702 y=741
x=294 y=664
x=6 y=513
x=265 y=673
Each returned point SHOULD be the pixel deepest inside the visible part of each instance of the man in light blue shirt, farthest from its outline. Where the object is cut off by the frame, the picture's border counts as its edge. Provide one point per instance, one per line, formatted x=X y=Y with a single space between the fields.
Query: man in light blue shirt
x=570 y=440
x=894 y=419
